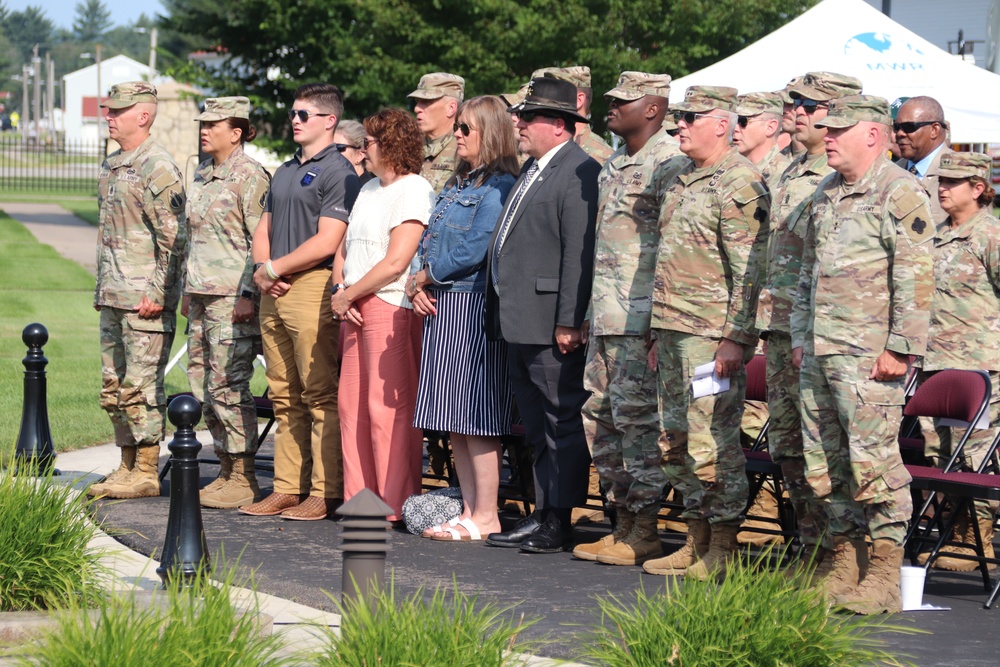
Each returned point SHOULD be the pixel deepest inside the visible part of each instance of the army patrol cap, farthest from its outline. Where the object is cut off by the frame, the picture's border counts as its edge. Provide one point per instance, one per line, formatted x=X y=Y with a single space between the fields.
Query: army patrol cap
x=549 y=94
x=578 y=75
x=825 y=86
x=636 y=85
x=753 y=104
x=786 y=98
x=700 y=99
x=851 y=110
x=513 y=99
x=124 y=95
x=221 y=108
x=966 y=165
x=439 y=84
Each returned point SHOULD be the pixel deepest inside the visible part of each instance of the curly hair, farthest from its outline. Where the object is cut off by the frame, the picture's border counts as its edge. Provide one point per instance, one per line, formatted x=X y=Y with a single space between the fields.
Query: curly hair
x=400 y=141
x=986 y=198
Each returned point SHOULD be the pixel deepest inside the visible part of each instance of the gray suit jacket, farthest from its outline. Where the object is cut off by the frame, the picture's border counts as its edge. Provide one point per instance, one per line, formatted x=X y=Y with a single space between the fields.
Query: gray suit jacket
x=930 y=183
x=545 y=267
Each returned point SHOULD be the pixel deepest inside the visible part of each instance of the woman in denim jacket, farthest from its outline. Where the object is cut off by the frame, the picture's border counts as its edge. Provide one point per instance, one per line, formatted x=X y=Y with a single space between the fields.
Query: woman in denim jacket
x=464 y=388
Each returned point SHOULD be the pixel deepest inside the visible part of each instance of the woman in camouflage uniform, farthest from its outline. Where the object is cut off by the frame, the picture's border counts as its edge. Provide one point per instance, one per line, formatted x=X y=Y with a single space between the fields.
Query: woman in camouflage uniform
x=220 y=298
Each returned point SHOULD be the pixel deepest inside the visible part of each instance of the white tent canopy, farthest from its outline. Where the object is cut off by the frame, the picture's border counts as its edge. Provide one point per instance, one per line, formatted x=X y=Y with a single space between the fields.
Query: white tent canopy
x=851 y=37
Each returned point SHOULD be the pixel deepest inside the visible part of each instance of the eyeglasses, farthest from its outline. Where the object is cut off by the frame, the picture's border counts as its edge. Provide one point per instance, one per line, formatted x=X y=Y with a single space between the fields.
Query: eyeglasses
x=691 y=116
x=809 y=106
x=743 y=121
x=464 y=127
x=343 y=147
x=304 y=115
x=910 y=128
x=368 y=142
x=529 y=116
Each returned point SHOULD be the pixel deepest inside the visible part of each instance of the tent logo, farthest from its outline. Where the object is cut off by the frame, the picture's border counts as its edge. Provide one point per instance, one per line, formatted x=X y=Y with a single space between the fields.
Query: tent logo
x=878 y=51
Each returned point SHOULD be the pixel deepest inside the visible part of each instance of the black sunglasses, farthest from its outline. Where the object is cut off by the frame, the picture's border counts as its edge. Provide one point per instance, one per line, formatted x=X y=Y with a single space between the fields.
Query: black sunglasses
x=910 y=128
x=343 y=147
x=809 y=106
x=464 y=127
x=529 y=116
x=368 y=142
x=304 y=115
x=691 y=116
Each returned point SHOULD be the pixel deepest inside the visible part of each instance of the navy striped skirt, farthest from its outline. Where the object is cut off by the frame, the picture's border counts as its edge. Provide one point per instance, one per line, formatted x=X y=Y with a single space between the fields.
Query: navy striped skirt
x=464 y=387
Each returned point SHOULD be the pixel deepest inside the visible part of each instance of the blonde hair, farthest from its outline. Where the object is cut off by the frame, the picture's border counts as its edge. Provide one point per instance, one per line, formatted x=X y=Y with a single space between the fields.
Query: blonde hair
x=497 y=140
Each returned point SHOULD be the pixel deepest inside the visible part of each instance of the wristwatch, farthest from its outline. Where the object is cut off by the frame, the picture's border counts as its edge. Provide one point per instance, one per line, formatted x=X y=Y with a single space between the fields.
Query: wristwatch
x=256 y=267
x=247 y=294
x=336 y=288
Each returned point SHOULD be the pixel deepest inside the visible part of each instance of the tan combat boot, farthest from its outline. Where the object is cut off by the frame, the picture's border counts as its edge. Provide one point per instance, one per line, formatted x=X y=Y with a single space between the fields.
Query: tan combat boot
x=879 y=590
x=844 y=569
x=142 y=482
x=123 y=470
x=225 y=469
x=239 y=490
x=696 y=546
x=764 y=505
x=721 y=547
x=964 y=532
x=815 y=563
x=590 y=550
x=641 y=544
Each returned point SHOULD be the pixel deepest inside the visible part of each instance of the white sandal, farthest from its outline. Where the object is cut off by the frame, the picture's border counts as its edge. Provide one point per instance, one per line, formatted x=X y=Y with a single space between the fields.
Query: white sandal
x=440 y=528
x=454 y=536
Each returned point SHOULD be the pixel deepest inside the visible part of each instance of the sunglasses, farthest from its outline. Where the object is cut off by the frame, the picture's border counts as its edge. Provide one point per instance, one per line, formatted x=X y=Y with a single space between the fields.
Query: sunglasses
x=743 y=121
x=464 y=127
x=910 y=128
x=304 y=115
x=809 y=106
x=368 y=142
x=343 y=147
x=691 y=116
x=529 y=116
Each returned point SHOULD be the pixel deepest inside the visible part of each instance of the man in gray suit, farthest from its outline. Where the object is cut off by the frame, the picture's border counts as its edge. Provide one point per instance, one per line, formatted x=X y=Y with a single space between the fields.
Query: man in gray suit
x=540 y=261
x=921 y=135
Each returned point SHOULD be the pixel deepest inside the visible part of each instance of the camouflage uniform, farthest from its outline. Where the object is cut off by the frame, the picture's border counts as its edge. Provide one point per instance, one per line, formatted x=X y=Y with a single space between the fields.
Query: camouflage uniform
x=709 y=267
x=440 y=157
x=774 y=161
x=224 y=208
x=141 y=241
x=865 y=286
x=620 y=417
x=773 y=166
x=585 y=138
x=593 y=144
x=965 y=312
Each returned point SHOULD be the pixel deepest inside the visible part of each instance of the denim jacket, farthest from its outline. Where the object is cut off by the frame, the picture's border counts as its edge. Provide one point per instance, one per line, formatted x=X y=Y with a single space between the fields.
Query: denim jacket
x=453 y=247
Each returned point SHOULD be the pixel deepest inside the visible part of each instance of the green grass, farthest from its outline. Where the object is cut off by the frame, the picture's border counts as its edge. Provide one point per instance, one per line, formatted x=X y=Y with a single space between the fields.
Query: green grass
x=81 y=204
x=44 y=558
x=448 y=630
x=754 y=618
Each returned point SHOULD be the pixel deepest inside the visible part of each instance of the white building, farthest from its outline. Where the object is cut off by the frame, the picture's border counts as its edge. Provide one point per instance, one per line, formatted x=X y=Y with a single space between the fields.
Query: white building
x=81 y=94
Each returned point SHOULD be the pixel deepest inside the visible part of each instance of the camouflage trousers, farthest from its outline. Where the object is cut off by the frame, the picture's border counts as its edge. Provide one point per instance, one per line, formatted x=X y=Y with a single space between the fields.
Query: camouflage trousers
x=938 y=441
x=784 y=439
x=703 y=458
x=850 y=426
x=621 y=422
x=220 y=367
x=134 y=355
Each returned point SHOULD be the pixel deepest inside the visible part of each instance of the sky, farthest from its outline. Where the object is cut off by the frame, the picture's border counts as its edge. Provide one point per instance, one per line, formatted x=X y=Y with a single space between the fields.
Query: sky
x=61 y=12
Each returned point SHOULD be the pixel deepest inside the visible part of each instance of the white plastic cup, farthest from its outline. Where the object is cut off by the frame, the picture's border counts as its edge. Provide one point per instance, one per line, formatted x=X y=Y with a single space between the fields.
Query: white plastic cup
x=911 y=584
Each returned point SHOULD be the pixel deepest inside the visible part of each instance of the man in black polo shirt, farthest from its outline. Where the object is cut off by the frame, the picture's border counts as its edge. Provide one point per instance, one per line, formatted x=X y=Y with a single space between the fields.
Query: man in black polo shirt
x=304 y=221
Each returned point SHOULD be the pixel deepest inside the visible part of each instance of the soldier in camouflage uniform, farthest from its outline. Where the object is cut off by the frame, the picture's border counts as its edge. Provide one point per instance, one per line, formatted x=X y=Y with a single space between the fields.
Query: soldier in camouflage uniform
x=861 y=308
x=790 y=205
x=620 y=418
x=965 y=318
x=758 y=125
x=584 y=137
x=793 y=148
x=141 y=242
x=708 y=272
x=224 y=206
x=436 y=101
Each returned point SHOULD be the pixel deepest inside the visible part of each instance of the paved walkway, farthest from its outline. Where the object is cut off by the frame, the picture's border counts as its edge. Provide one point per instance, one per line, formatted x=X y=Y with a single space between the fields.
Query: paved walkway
x=53 y=225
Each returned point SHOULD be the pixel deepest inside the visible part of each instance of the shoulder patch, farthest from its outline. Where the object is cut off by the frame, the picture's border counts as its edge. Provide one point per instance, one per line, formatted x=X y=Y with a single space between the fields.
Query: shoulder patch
x=177 y=200
x=163 y=181
x=746 y=191
x=905 y=200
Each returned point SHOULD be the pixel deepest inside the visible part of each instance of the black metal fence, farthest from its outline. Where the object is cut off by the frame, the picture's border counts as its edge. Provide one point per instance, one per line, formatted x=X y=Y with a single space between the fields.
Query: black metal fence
x=60 y=165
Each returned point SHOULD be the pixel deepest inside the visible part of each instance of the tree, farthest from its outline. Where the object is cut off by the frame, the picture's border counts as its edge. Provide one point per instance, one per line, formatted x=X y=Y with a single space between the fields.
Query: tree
x=93 y=19
x=28 y=28
x=376 y=51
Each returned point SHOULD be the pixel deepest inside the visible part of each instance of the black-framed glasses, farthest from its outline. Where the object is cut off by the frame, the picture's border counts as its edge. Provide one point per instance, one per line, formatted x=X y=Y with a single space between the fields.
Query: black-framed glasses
x=911 y=127
x=529 y=116
x=809 y=106
x=368 y=142
x=464 y=127
x=304 y=115
x=343 y=147
x=691 y=116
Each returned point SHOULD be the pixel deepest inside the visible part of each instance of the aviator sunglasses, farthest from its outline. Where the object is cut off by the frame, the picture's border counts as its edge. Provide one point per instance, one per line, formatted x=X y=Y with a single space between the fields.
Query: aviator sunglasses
x=303 y=115
x=464 y=127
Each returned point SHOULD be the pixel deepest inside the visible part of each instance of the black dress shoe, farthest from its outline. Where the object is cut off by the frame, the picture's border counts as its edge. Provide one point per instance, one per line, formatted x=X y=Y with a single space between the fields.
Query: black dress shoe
x=521 y=531
x=551 y=537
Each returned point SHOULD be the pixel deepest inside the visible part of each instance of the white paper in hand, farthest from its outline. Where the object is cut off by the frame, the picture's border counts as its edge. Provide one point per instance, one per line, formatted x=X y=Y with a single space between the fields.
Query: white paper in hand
x=706 y=382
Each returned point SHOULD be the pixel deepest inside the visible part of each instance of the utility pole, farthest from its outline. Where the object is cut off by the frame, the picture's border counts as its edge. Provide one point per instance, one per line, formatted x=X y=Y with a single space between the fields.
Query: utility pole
x=36 y=65
x=25 y=121
x=50 y=88
x=100 y=93
x=153 y=34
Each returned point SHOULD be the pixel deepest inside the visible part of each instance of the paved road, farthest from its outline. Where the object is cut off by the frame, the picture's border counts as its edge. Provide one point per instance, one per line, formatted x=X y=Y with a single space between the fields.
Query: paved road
x=72 y=237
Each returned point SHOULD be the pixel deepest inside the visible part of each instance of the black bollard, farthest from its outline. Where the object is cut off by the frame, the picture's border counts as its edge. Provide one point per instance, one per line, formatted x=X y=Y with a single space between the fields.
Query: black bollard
x=34 y=451
x=185 y=552
x=364 y=529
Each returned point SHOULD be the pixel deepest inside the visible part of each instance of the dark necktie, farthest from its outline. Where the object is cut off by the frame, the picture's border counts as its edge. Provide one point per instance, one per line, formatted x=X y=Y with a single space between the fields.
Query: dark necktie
x=502 y=236
x=913 y=170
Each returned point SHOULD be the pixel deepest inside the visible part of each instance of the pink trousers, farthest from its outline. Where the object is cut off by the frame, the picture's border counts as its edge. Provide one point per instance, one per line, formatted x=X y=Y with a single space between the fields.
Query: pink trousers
x=378 y=393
